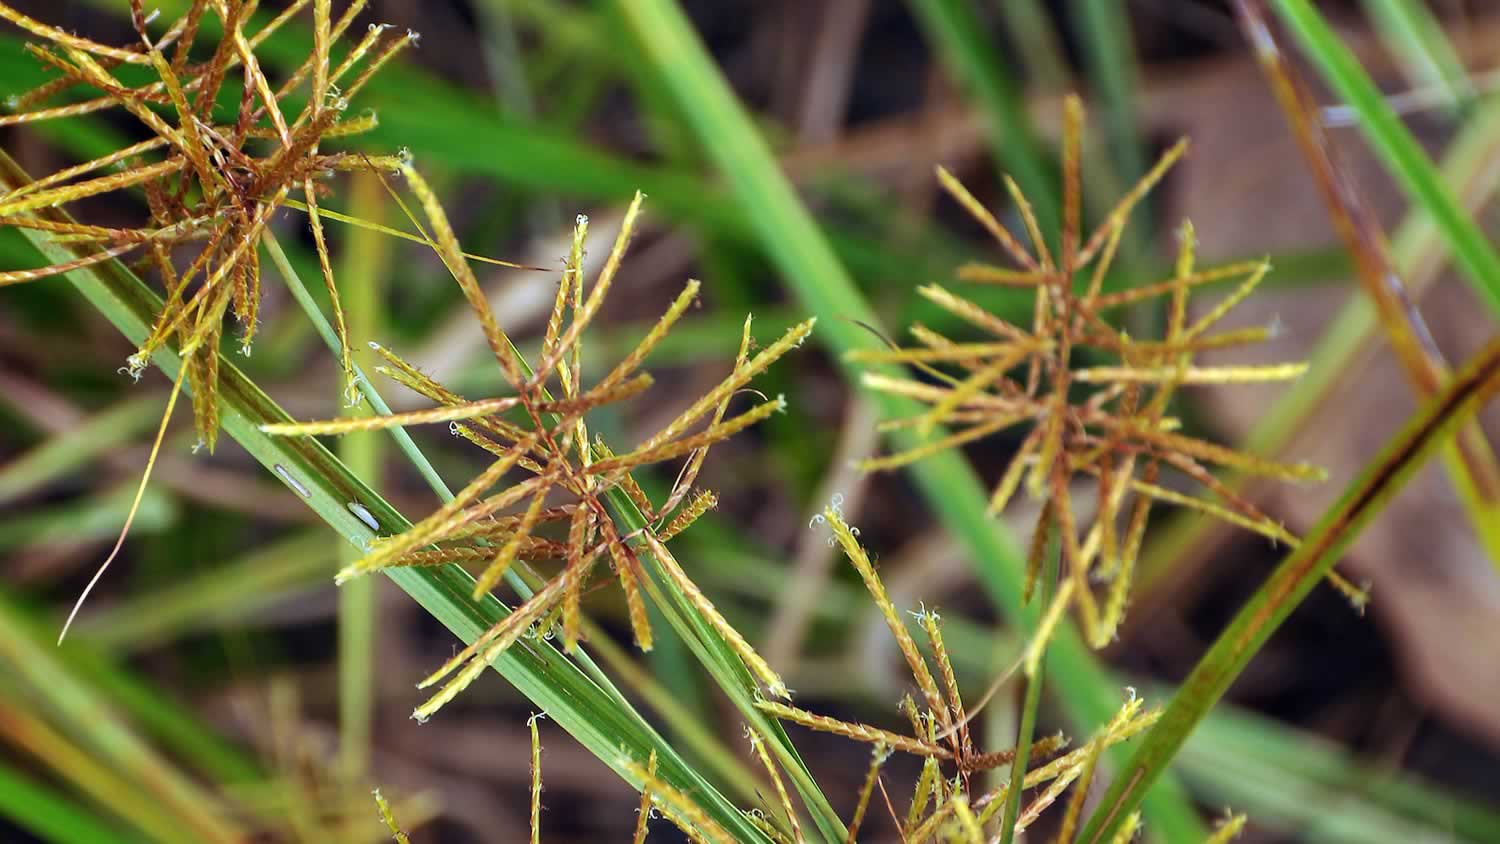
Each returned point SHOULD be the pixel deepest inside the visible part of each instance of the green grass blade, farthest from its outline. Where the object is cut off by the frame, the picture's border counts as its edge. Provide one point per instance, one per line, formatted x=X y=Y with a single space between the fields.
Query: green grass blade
x=1270 y=769
x=695 y=733
x=51 y=816
x=1292 y=580
x=795 y=242
x=599 y=720
x=1033 y=700
x=1403 y=157
x=365 y=265
x=103 y=432
x=101 y=742
x=959 y=39
x=1413 y=33
x=211 y=600
x=1109 y=56
x=1032 y=36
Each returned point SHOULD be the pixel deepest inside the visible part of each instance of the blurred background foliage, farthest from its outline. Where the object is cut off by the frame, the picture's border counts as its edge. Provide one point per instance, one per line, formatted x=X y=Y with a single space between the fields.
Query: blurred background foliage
x=219 y=673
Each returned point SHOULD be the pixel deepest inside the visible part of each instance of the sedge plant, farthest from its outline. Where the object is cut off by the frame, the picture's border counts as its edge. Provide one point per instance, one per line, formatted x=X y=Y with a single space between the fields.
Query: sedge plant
x=555 y=496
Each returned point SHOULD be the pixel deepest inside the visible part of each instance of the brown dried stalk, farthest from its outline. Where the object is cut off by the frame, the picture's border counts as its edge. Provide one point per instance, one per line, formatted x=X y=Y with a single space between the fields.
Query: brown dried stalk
x=1108 y=423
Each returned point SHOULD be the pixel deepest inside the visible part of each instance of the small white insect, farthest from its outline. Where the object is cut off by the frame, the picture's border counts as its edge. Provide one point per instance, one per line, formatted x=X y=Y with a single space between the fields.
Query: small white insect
x=291 y=481
x=363 y=514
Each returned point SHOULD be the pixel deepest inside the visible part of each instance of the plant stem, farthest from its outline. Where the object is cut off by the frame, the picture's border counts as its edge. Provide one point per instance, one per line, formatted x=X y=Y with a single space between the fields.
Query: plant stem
x=365 y=260
x=1292 y=580
x=1033 y=699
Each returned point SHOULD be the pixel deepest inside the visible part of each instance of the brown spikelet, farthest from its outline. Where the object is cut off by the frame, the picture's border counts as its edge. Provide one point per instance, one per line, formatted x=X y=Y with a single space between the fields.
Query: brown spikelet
x=858 y=732
x=503 y=560
x=914 y=659
x=878 y=756
x=626 y=569
x=1105 y=422
x=699 y=504
x=681 y=810
x=204 y=175
x=541 y=434
x=536 y=779
x=643 y=814
x=758 y=749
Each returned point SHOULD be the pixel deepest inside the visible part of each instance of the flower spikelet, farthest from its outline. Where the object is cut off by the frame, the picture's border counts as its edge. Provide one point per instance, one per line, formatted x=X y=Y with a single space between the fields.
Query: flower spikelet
x=552 y=493
x=1098 y=402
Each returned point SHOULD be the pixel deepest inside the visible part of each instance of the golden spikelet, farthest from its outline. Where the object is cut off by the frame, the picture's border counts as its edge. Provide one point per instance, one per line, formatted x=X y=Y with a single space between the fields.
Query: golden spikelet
x=1107 y=419
x=678 y=808
x=211 y=183
x=538 y=432
x=943 y=806
x=200 y=175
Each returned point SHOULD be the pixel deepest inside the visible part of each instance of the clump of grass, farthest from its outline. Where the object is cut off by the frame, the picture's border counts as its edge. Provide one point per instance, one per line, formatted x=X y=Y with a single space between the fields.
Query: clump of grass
x=212 y=173
x=212 y=177
x=214 y=186
x=541 y=431
x=1110 y=423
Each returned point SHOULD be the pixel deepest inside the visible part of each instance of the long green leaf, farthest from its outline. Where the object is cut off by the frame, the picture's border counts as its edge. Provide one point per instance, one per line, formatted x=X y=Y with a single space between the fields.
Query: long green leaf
x=51 y=816
x=1110 y=57
x=958 y=37
x=101 y=433
x=1292 y=580
x=362 y=274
